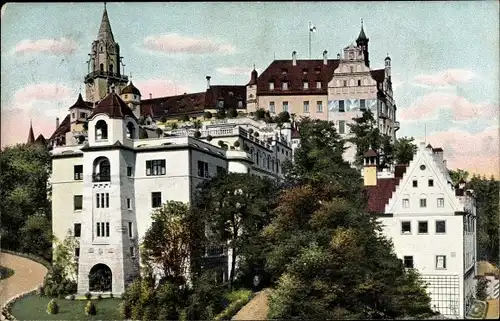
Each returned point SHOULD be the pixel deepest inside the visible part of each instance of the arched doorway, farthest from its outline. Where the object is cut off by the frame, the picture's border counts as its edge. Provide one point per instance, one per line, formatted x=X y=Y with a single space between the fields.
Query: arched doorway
x=100 y=278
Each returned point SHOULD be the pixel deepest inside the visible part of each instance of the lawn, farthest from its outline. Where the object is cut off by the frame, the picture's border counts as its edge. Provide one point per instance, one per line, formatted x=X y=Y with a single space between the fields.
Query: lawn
x=35 y=308
x=5 y=272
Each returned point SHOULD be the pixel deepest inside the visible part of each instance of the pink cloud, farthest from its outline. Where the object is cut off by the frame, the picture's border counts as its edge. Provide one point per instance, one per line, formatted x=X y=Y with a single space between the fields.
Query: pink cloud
x=160 y=88
x=478 y=153
x=462 y=109
x=62 y=46
x=45 y=92
x=174 y=43
x=446 y=77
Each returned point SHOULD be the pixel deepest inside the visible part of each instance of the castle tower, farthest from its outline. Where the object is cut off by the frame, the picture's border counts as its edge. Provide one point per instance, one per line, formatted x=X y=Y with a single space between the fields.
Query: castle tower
x=362 y=42
x=104 y=64
x=132 y=97
x=252 y=91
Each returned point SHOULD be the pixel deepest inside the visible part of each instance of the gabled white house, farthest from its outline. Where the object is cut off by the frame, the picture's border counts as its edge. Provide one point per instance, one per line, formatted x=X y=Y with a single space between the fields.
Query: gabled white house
x=431 y=223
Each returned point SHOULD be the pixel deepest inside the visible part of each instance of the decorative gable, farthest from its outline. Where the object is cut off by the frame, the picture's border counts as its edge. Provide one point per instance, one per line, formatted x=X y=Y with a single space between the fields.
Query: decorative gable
x=424 y=188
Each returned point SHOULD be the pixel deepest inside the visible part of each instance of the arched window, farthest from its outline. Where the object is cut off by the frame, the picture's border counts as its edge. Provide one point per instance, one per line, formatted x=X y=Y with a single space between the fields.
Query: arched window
x=268 y=162
x=101 y=67
x=277 y=166
x=101 y=130
x=272 y=164
x=102 y=170
x=131 y=130
x=100 y=278
x=257 y=157
x=351 y=82
x=110 y=68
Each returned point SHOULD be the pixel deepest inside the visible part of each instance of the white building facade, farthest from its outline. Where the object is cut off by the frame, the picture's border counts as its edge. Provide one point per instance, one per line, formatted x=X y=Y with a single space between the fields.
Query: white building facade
x=433 y=227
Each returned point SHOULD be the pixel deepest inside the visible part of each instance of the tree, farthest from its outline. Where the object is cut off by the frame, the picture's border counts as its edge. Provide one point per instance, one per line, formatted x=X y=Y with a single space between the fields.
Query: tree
x=232 y=113
x=197 y=124
x=37 y=236
x=260 y=113
x=404 y=149
x=326 y=250
x=481 y=289
x=167 y=241
x=221 y=114
x=207 y=115
x=458 y=176
x=234 y=207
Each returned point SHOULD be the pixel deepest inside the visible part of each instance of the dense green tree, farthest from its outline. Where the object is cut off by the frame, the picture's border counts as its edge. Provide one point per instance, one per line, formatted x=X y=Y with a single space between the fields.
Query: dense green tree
x=37 y=236
x=260 y=113
x=234 y=208
x=324 y=247
x=365 y=135
x=458 y=175
x=404 y=149
x=24 y=192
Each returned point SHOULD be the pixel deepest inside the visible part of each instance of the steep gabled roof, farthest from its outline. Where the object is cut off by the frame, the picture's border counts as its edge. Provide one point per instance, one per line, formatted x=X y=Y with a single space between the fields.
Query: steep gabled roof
x=310 y=71
x=379 y=195
x=105 y=32
x=41 y=140
x=80 y=103
x=113 y=106
x=63 y=128
x=31 y=135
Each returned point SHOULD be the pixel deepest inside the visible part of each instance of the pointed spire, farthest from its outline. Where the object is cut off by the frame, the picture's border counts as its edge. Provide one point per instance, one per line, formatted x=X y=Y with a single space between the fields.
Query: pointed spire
x=362 y=35
x=105 y=32
x=31 y=135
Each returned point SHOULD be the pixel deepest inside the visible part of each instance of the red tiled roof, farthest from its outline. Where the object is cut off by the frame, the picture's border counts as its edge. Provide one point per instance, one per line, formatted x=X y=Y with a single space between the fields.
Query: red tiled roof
x=80 y=103
x=231 y=95
x=305 y=70
x=173 y=105
x=370 y=153
x=379 y=195
x=399 y=170
x=378 y=75
x=63 y=128
x=253 y=77
x=113 y=106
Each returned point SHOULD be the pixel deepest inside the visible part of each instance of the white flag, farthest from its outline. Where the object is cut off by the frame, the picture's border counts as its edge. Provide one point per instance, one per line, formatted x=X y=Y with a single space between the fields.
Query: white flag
x=312 y=28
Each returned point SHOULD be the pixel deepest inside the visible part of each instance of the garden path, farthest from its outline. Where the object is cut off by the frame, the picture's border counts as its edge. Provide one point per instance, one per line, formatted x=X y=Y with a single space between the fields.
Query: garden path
x=256 y=309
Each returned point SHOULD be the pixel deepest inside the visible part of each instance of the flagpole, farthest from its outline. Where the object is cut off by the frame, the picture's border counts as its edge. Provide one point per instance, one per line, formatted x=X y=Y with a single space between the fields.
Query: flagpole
x=309 y=40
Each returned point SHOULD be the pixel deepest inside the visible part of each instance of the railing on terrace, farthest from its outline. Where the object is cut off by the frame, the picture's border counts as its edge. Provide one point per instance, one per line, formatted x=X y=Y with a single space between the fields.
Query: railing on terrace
x=105 y=74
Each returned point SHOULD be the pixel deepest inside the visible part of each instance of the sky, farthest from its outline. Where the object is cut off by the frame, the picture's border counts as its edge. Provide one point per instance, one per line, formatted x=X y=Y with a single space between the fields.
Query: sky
x=445 y=58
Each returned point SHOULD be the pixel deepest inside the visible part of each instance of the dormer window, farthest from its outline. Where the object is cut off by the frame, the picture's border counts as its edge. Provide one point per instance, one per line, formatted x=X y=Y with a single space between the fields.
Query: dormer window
x=271 y=86
x=284 y=71
x=318 y=85
x=304 y=71
x=318 y=70
x=305 y=85
x=284 y=86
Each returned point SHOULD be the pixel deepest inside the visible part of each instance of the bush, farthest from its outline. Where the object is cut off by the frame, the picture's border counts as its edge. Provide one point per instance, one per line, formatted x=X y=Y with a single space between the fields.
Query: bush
x=220 y=143
x=225 y=147
x=260 y=113
x=88 y=295
x=207 y=115
x=197 y=134
x=90 y=308
x=481 y=289
x=232 y=113
x=99 y=297
x=236 y=144
x=221 y=114
x=209 y=138
x=72 y=297
x=52 y=307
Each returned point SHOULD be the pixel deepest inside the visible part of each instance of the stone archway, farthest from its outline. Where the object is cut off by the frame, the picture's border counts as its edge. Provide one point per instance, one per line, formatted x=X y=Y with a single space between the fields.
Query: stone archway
x=100 y=278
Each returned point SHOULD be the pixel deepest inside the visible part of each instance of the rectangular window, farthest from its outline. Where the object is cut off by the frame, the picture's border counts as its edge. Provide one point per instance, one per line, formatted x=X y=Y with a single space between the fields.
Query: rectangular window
x=77 y=202
x=359 y=82
x=305 y=85
x=97 y=200
x=341 y=106
x=423 y=202
x=272 y=108
x=107 y=229
x=130 y=229
x=406 y=227
x=155 y=167
x=132 y=251
x=203 y=169
x=406 y=203
x=415 y=183
x=306 y=106
x=284 y=86
x=78 y=172
x=271 y=86
x=408 y=262
x=362 y=104
x=319 y=106
x=341 y=126
x=345 y=83
x=77 y=230
x=129 y=203
x=77 y=252
x=431 y=183
x=107 y=200
x=156 y=199
x=440 y=202
x=440 y=262
x=318 y=84
x=423 y=227
x=285 y=106
x=129 y=171
x=440 y=227
x=98 y=229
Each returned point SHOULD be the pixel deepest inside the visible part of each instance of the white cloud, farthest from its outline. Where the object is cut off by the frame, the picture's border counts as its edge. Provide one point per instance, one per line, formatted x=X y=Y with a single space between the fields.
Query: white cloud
x=446 y=77
x=245 y=71
x=61 y=46
x=177 y=44
x=160 y=88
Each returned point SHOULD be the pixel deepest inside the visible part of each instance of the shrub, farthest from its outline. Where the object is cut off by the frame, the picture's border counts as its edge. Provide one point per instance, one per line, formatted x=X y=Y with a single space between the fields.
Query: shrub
x=221 y=114
x=150 y=313
x=232 y=147
x=232 y=113
x=197 y=134
x=90 y=308
x=52 y=307
x=256 y=134
x=72 y=297
x=88 y=295
x=237 y=300
x=207 y=115
x=225 y=147
x=236 y=144
x=260 y=113
x=99 y=297
x=209 y=138
x=220 y=143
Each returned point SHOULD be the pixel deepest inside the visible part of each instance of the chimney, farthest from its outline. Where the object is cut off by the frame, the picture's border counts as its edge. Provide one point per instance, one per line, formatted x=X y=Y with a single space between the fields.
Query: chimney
x=338 y=56
x=294 y=58
x=57 y=122
x=150 y=96
x=370 y=168
x=208 y=81
x=325 y=58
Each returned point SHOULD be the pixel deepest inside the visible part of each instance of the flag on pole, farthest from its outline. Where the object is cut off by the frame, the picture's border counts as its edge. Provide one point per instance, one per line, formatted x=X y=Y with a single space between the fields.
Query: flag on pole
x=312 y=28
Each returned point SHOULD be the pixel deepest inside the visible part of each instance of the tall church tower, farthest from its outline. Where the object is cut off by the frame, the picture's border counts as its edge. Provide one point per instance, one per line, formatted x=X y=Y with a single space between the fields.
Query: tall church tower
x=362 y=42
x=104 y=64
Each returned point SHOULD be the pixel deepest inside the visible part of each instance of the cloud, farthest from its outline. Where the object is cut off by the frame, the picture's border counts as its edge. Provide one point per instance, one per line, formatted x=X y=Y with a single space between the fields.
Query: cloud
x=160 y=88
x=61 y=46
x=476 y=152
x=234 y=70
x=39 y=103
x=428 y=106
x=446 y=77
x=177 y=44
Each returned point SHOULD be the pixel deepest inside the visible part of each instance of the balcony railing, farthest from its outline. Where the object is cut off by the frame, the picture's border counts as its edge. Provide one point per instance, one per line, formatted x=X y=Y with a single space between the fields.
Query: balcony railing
x=96 y=177
x=105 y=74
